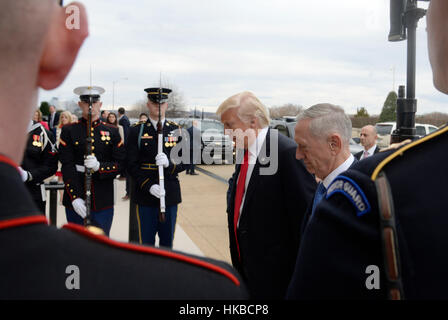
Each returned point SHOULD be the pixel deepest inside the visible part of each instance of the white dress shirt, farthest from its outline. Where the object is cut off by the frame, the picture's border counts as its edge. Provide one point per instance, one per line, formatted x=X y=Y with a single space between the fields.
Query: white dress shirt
x=343 y=167
x=371 y=151
x=254 y=150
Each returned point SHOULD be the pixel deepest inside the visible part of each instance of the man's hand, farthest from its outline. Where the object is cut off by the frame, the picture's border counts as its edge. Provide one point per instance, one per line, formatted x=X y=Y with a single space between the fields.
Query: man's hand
x=92 y=163
x=156 y=191
x=80 y=208
x=162 y=160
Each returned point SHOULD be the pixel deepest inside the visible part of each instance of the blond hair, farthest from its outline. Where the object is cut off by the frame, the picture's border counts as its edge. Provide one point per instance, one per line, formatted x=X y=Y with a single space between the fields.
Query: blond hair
x=39 y=115
x=249 y=106
x=68 y=114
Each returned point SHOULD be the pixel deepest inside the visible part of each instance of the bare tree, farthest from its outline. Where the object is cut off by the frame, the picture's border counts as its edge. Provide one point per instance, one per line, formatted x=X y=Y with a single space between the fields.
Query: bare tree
x=176 y=102
x=288 y=109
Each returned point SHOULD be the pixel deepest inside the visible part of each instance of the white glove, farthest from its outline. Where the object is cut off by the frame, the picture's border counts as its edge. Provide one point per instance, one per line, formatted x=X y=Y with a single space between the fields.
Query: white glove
x=92 y=163
x=156 y=191
x=23 y=174
x=79 y=206
x=162 y=160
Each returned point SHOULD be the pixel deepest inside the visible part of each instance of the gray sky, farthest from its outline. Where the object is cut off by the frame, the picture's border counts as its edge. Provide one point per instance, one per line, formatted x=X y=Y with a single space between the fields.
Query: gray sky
x=284 y=51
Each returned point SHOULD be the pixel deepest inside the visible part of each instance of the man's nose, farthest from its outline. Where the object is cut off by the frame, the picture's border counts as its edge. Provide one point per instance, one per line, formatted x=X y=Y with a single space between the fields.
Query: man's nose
x=299 y=154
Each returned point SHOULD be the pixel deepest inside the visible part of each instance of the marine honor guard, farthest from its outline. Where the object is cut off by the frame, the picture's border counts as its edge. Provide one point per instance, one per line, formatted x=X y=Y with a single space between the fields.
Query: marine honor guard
x=104 y=159
x=40 y=161
x=143 y=162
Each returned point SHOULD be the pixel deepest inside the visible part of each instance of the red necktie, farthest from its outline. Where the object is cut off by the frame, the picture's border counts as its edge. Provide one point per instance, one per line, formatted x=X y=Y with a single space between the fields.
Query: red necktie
x=240 y=187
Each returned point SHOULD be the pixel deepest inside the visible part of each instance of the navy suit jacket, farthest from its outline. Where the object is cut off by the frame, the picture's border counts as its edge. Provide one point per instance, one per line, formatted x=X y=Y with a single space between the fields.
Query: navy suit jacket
x=124 y=122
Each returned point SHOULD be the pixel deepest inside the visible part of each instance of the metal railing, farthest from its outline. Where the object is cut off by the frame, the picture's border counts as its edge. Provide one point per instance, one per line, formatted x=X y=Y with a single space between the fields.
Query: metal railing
x=53 y=187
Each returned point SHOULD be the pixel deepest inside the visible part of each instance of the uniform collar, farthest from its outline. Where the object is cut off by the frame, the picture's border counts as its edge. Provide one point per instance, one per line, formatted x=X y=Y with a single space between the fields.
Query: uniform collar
x=94 y=123
x=154 y=123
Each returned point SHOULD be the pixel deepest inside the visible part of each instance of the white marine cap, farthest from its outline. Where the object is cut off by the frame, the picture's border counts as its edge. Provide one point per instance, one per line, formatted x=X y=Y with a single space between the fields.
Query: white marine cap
x=89 y=91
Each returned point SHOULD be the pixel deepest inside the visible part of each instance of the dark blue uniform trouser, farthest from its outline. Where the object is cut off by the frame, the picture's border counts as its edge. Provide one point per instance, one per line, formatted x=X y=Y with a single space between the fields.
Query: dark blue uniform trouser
x=101 y=219
x=149 y=225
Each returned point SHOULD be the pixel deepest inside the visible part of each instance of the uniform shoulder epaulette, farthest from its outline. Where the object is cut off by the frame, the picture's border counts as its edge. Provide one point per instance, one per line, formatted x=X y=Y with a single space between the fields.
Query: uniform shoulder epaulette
x=351 y=190
x=153 y=251
x=137 y=124
x=406 y=147
x=173 y=123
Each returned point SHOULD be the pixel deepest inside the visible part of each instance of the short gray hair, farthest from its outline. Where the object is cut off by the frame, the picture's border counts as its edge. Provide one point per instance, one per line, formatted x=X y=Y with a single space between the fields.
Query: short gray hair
x=326 y=119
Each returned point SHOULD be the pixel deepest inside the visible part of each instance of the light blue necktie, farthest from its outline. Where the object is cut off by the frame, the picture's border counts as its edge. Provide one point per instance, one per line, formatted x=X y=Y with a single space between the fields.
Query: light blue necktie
x=320 y=192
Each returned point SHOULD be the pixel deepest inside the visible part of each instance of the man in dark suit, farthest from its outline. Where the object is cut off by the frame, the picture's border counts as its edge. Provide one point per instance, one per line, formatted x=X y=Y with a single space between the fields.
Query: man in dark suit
x=368 y=139
x=268 y=196
x=123 y=121
x=53 y=120
x=323 y=135
x=43 y=262
x=194 y=135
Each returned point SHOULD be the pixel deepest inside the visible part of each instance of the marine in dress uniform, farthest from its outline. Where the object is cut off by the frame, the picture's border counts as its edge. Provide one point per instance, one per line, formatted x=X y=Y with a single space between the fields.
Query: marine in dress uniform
x=40 y=161
x=143 y=159
x=107 y=156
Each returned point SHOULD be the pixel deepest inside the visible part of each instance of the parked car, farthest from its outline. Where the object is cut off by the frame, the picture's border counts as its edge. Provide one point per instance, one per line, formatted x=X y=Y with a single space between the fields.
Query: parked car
x=287 y=128
x=216 y=146
x=385 y=129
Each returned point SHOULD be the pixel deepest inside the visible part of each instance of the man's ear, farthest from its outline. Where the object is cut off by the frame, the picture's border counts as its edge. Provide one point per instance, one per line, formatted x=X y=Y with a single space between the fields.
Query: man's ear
x=61 y=46
x=254 y=123
x=335 y=142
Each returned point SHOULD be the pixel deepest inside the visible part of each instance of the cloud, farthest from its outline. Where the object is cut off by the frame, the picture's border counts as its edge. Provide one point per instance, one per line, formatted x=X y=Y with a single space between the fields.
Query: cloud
x=296 y=51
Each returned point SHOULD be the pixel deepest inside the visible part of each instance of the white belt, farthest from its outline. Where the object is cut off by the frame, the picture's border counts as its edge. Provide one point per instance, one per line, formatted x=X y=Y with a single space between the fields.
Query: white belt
x=80 y=168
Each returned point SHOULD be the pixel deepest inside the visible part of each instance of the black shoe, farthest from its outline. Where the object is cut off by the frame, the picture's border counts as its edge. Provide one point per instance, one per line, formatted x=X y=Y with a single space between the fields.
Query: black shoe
x=194 y=174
